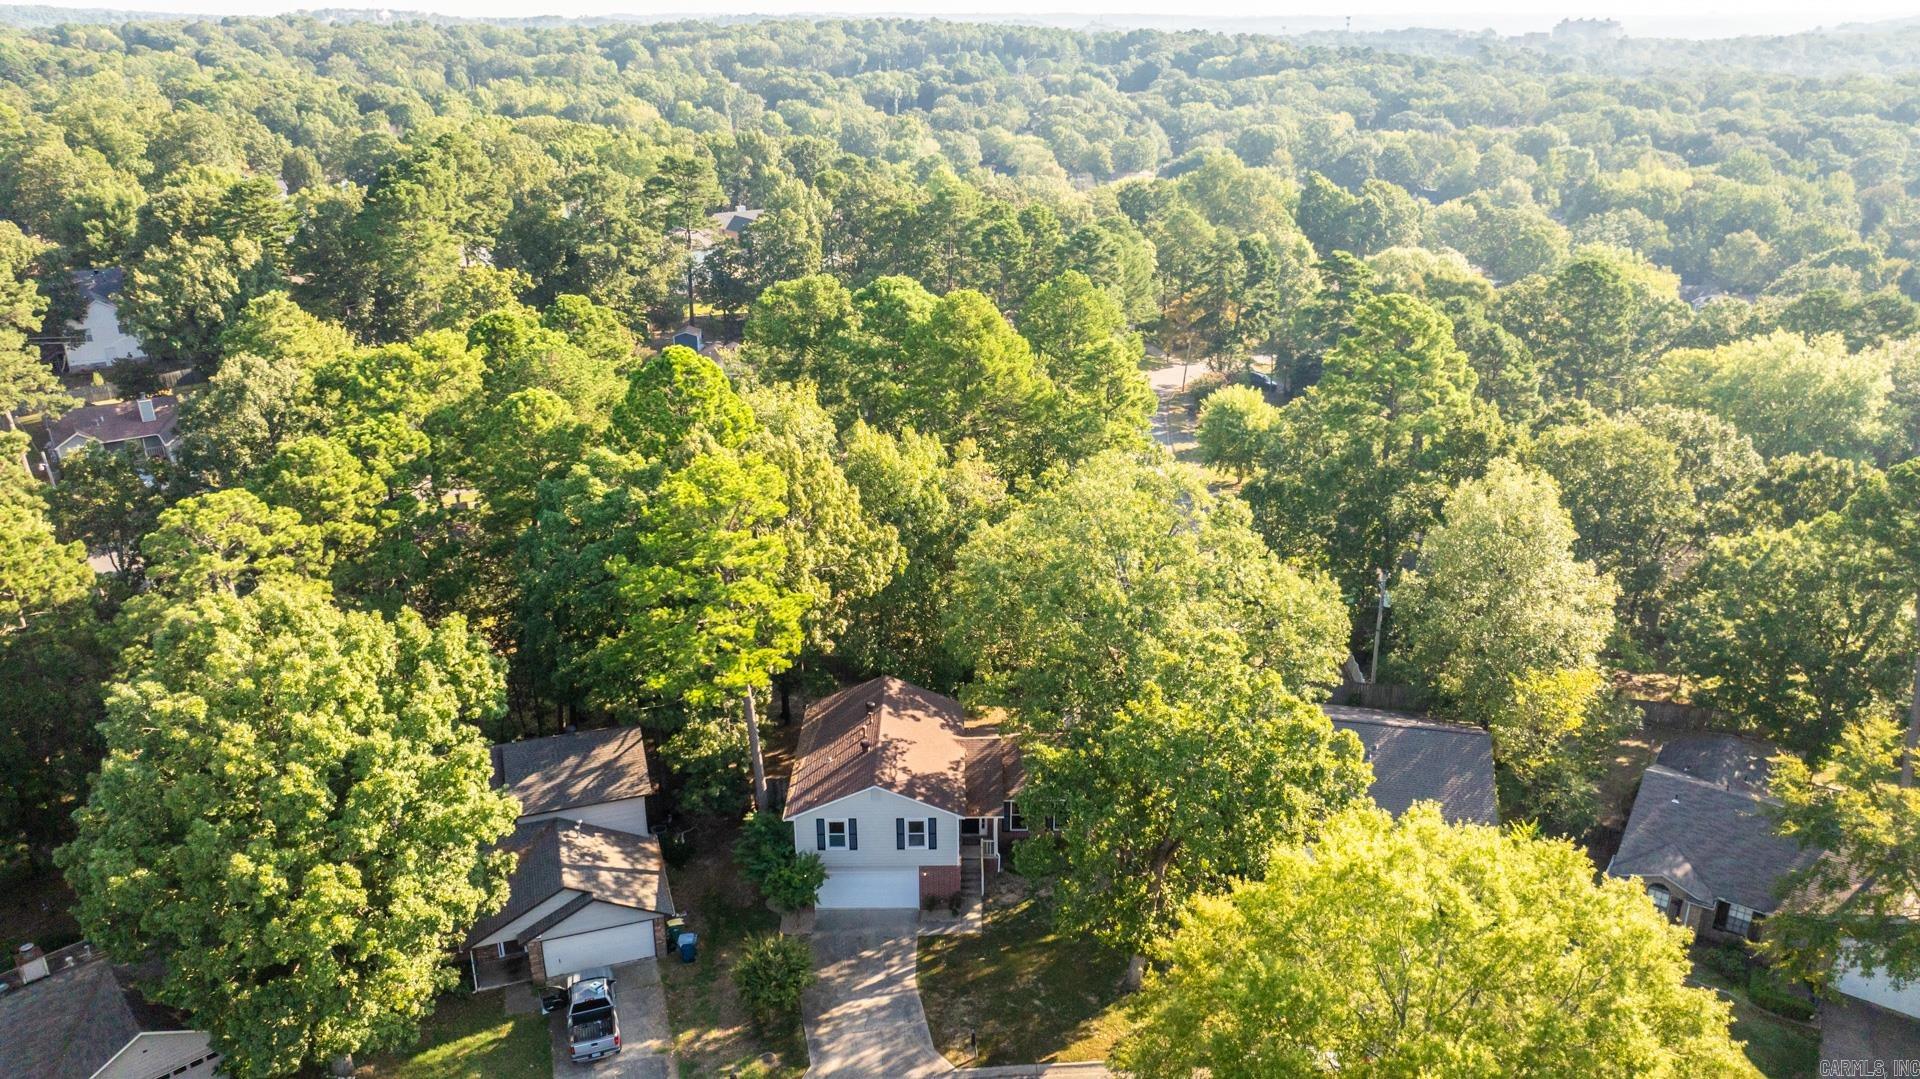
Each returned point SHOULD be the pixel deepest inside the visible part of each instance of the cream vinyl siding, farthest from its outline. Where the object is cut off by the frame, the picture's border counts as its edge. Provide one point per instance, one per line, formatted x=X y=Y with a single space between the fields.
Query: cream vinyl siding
x=876 y=811
x=596 y=915
x=626 y=815
x=511 y=931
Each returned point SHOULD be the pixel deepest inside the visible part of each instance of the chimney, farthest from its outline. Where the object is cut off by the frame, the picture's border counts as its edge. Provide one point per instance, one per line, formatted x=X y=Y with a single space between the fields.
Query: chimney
x=145 y=405
x=31 y=962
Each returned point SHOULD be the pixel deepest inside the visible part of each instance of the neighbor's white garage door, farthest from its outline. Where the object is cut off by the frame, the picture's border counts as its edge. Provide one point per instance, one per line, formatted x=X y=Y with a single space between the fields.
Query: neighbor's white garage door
x=598 y=948
x=869 y=888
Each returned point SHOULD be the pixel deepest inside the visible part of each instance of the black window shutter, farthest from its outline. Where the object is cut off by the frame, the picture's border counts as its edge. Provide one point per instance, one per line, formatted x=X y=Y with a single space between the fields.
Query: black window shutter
x=853 y=833
x=1753 y=928
x=1006 y=813
x=820 y=833
x=1720 y=913
x=933 y=834
x=899 y=833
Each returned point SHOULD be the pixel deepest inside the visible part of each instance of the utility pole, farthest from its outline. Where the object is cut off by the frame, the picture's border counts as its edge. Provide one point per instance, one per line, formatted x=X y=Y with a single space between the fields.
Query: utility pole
x=753 y=750
x=1379 y=617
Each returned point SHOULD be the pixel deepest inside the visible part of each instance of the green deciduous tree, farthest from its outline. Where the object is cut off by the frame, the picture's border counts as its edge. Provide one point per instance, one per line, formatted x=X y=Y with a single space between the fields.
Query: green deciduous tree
x=1797 y=630
x=1853 y=908
x=108 y=499
x=1786 y=393
x=1634 y=512
x=1417 y=947
x=1553 y=737
x=293 y=810
x=1118 y=573
x=1597 y=322
x=1359 y=464
x=1498 y=593
x=1162 y=799
x=1234 y=425
x=50 y=664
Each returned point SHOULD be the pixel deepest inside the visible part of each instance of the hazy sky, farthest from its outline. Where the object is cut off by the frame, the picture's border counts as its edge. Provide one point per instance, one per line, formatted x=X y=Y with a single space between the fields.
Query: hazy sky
x=1645 y=17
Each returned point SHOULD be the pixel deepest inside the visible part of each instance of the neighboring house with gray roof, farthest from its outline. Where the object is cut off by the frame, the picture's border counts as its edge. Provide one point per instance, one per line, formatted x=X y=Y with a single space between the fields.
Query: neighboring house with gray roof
x=98 y=341
x=580 y=896
x=1704 y=843
x=598 y=777
x=1416 y=759
x=72 y=1015
x=589 y=885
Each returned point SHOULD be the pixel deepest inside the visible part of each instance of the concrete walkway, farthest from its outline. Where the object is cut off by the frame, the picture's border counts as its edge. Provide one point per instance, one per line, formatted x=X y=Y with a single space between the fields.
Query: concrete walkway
x=863 y=1015
x=645 y=1037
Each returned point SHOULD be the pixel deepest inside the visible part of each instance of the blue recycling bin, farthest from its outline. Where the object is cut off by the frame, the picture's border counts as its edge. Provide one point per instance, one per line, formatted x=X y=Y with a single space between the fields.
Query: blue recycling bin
x=689 y=946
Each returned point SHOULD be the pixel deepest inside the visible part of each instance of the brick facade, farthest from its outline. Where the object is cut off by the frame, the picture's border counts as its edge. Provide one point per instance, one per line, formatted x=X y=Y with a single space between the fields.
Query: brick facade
x=938 y=882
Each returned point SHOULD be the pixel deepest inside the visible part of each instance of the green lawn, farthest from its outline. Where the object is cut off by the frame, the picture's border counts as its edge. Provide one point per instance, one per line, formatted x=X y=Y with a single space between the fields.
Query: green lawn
x=712 y=1035
x=470 y=1036
x=1021 y=992
x=1779 y=1048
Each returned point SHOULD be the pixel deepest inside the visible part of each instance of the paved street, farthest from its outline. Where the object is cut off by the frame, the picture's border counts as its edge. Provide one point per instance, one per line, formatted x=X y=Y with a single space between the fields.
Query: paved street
x=863 y=1016
x=644 y=1035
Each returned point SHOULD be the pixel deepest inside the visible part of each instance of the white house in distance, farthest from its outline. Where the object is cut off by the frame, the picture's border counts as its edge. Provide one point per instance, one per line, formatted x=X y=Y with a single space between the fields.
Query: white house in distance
x=898 y=800
x=98 y=341
x=589 y=886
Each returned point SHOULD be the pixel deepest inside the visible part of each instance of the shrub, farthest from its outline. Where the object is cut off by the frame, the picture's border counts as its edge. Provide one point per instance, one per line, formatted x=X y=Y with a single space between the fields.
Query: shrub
x=765 y=845
x=1766 y=992
x=1730 y=962
x=676 y=849
x=772 y=972
x=955 y=902
x=790 y=878
x=796 y=884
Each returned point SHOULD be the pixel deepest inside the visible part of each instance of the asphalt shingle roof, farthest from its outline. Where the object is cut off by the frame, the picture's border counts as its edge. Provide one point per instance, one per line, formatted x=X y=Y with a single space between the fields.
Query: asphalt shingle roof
x=1713 y=842
x=1421 y=760
x=602 y=864
x=1724 y=760
x=891 y=734
x=567 y=770
x=68 y=1024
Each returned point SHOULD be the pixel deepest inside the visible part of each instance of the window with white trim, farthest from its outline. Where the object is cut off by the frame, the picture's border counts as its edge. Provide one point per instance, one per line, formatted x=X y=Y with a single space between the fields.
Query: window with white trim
x=1740 y=919
x=1662 y=899
x=916 y=832
x=837 y=834
x=1016 y=821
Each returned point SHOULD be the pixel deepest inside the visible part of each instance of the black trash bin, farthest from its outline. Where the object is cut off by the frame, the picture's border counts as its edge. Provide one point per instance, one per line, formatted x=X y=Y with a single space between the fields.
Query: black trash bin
x=689 y=946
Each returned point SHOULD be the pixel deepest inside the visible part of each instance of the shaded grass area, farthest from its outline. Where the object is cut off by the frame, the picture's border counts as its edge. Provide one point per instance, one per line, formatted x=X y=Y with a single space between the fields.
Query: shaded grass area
x=1019 y=993
x=471 y=1036
x=1778 y=1047
x=712 y=1034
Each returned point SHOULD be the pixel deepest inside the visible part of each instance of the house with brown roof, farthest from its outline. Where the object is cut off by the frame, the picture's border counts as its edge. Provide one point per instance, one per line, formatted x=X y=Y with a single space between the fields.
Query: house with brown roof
x=589 y=884
x=144 y=422
x=899 y=801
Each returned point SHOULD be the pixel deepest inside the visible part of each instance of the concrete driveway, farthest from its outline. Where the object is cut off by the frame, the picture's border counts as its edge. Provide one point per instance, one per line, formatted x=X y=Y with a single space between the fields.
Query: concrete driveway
x=644 y=1035
x=863 y=1015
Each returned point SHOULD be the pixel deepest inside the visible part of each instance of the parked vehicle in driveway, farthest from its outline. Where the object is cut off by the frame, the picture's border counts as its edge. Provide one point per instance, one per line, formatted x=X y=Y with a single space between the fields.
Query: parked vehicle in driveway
x=593 y=1029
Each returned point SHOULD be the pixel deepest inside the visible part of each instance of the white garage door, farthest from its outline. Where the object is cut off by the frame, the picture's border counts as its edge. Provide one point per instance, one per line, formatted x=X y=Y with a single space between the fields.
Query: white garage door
x=870 y=888
x=598 y=948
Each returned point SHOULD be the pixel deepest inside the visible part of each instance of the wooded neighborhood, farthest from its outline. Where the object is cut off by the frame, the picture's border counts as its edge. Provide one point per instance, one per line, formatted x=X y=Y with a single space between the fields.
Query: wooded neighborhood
x=895 y=547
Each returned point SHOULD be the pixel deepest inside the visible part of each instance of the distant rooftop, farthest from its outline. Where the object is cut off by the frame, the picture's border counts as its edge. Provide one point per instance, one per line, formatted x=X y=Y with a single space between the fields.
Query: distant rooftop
x=1416 y=759
x=566 y=770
